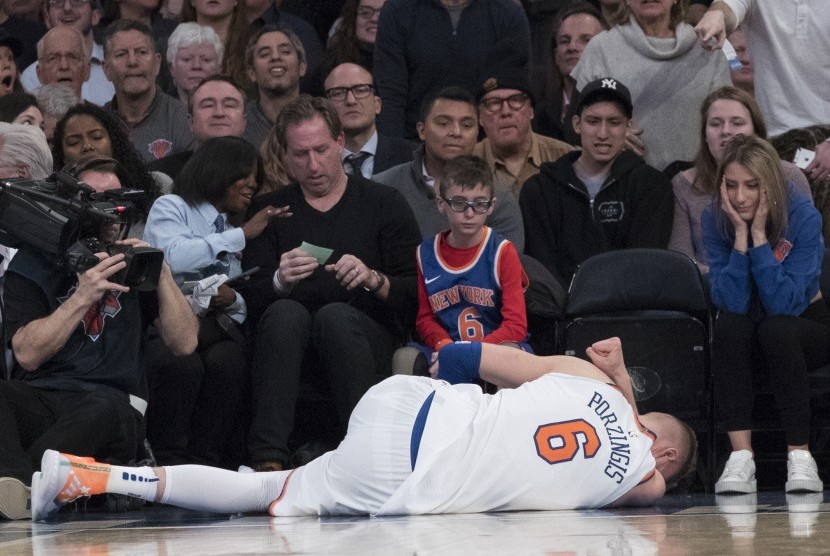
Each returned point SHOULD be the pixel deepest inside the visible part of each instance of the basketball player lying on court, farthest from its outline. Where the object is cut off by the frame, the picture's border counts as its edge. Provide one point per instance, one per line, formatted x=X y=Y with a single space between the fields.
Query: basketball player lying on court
x=561 y=433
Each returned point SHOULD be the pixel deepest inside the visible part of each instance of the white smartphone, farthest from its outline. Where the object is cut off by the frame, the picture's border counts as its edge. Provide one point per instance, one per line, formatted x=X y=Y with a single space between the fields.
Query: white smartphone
x=803 y=158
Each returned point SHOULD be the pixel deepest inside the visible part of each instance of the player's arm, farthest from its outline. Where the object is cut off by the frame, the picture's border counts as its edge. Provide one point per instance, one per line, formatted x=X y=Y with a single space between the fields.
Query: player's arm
x=607 y=356
x=644 y=494
x=505 y=366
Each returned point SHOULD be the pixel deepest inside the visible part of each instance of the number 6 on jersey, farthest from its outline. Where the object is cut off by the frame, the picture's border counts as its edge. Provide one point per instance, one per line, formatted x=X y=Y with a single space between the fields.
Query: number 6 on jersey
x=560 y=442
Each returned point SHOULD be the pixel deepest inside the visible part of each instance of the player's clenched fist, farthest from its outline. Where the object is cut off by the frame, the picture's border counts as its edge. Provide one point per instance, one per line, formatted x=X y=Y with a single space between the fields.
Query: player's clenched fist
x=607 y=355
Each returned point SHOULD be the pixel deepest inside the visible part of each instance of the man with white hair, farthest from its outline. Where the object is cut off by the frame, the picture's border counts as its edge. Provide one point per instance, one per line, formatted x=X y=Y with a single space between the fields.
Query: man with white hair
x=81 y=15
x=23 y=154
x=61 y=58
x=54 y=101
x=194 y=52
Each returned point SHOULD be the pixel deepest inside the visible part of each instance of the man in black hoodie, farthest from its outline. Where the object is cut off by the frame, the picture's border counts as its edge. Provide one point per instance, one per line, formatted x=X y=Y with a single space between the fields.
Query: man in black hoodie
x=597 y=199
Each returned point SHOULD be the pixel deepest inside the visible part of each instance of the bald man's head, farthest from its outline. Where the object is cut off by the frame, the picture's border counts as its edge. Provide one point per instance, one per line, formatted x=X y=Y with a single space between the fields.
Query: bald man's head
x=351 y=88
x=62 y=58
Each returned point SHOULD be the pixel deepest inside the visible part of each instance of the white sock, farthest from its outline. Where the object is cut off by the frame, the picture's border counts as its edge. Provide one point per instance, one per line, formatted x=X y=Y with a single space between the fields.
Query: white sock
x=210 y=489
x=139 y=482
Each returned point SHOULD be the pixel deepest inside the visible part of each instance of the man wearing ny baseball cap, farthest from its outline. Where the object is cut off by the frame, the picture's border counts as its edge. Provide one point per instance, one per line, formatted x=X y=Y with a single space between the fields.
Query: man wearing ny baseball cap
x=601 y=198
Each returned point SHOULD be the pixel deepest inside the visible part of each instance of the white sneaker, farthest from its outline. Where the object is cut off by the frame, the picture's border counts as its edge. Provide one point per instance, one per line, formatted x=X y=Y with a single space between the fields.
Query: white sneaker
x=739 y=474
x=15 y=499
x=802 y=473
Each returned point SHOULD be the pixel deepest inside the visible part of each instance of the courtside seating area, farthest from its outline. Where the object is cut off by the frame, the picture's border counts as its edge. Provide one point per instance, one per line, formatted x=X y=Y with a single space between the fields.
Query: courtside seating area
x=657 y=302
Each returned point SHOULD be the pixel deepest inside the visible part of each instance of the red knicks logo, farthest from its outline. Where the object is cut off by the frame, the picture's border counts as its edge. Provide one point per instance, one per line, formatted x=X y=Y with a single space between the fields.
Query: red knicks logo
x=160 y=148
x=93 y=321
x=108 y=306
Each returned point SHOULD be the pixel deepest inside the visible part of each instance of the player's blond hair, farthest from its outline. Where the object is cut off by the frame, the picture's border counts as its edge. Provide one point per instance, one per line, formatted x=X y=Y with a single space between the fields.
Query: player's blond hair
x=688 y=447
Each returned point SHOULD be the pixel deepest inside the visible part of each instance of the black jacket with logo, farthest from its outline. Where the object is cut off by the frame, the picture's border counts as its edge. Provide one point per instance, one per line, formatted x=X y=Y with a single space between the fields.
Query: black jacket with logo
x=564 y=226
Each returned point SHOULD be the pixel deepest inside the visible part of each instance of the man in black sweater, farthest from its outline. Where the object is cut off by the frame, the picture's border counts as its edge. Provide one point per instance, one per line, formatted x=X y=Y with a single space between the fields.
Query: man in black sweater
x=344 y=306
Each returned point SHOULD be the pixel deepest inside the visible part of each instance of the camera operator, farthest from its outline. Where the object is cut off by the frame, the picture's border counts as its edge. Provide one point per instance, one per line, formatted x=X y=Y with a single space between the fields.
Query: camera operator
x=77 y=346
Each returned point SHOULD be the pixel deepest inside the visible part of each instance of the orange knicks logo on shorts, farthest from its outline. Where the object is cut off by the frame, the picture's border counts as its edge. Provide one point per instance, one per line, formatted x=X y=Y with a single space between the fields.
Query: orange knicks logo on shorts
x=560 y=442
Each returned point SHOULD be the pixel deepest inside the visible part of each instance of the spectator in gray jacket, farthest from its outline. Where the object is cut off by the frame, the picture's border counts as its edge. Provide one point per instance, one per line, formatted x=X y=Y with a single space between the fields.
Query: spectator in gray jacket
x=448 y=127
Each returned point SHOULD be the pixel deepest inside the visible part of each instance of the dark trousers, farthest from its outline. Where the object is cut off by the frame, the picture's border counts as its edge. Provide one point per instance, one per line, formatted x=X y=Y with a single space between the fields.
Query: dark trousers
x=354 y=353
x=99 y=423
x=194 y=413
x=788 y=347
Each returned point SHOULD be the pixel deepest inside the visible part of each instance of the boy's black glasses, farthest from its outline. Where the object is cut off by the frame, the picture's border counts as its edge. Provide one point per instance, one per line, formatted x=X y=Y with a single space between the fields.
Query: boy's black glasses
x=460 y=205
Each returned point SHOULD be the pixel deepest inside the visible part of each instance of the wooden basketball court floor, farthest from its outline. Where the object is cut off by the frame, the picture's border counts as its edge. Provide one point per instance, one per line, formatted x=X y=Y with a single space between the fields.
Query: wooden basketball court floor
x=766 y=523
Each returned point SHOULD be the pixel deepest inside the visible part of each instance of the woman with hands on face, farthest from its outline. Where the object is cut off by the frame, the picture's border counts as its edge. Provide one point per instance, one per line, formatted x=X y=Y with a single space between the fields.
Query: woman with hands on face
x=724 y=113
x=764 y=247
x=196 y=400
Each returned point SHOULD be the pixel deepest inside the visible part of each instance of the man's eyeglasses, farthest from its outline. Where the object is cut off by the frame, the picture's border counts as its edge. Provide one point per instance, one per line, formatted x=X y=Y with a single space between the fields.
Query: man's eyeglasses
x=367 y=12
x=515 y=102
x=339 y=94
x=62 y=3
x=460 y=205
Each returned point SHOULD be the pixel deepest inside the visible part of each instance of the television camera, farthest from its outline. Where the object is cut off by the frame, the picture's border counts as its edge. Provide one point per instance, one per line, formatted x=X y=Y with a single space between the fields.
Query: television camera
x=63 y=217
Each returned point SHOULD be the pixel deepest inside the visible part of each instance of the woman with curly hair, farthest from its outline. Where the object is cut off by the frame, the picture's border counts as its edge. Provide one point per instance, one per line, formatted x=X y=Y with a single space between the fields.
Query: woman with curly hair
x=88 y=129
x=354 y=38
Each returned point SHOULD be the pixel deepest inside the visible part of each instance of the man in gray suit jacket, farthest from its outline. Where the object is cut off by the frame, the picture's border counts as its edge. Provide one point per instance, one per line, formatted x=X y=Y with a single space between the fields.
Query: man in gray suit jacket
x=449 y=129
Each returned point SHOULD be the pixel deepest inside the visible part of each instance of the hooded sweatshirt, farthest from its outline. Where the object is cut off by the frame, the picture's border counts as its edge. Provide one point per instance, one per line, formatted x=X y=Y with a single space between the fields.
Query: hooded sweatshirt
x=668 y=79
x=778 y=279
x=564 y=226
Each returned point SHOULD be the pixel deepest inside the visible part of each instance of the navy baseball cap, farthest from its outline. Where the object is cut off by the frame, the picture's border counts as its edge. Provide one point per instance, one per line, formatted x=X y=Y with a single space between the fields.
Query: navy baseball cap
x=605 y=89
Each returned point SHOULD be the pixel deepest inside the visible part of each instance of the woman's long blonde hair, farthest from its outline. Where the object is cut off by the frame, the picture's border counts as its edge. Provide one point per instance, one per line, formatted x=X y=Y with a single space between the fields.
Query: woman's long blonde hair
x=760 y=160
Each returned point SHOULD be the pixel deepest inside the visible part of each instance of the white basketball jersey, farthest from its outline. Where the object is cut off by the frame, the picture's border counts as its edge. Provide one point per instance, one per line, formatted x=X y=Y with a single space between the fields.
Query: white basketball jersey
x=559 y=442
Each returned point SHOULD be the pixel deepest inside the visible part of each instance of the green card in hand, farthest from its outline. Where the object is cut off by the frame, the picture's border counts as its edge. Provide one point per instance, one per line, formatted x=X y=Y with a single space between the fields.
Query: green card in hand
x=322 y=254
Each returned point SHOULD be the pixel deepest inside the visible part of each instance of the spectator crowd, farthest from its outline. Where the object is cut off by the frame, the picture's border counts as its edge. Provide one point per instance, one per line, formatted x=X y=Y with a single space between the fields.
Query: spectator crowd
x=346 y=155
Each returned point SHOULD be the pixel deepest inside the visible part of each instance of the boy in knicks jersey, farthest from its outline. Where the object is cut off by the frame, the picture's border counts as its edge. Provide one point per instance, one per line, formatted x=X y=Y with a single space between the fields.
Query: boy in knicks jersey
x=562 y=433
x=471 y=283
